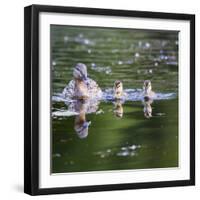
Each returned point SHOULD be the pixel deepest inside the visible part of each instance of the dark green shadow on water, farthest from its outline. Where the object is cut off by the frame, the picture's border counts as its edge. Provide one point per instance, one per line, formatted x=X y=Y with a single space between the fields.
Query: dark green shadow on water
x=131 y=142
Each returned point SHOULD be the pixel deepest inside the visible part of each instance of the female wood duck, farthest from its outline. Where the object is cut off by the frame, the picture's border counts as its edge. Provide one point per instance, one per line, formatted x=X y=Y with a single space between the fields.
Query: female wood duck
x=147 y=90
x=118 y=90
x=81 y=87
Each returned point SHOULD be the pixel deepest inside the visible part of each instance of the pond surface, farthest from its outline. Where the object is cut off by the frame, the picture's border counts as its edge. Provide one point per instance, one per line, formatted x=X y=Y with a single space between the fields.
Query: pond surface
x=119 y=135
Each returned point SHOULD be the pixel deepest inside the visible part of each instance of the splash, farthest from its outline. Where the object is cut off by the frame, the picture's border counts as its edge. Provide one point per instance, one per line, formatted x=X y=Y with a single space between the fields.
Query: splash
x=135 y=95
x=130 y=95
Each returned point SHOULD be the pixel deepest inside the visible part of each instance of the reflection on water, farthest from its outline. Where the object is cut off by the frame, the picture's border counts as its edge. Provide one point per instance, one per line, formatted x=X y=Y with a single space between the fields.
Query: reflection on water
x=147 y=107
x=125 y=129
x=149 y=95
x=81 y=125
x=118 y=108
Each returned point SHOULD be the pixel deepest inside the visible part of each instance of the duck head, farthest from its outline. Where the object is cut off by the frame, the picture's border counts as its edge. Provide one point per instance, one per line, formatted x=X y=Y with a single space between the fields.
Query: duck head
x=147 y=86
x=118 y=89
x=80 y=72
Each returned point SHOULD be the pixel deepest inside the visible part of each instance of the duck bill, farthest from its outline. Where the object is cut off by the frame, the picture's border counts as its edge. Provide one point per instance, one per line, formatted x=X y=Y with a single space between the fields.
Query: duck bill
x=85 y=78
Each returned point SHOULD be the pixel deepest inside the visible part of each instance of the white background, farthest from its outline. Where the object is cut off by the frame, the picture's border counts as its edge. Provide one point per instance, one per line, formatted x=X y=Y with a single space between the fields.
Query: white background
x=11 y=101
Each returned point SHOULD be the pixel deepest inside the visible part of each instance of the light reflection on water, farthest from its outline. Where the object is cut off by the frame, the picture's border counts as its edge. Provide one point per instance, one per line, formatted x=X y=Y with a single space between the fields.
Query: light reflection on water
x=110 y=135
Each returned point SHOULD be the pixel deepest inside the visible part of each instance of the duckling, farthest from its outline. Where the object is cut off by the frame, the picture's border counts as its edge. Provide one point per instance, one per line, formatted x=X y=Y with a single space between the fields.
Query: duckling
x=81 y=87
x=147 y=90
x=118 y=90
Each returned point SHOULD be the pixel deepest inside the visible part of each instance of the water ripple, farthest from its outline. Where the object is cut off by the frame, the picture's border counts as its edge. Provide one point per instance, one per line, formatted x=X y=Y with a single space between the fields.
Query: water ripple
x=135 y=95
x=130 y=95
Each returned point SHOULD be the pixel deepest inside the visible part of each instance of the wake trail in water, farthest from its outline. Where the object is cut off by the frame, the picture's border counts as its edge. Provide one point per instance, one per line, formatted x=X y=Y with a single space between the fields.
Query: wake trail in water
x=91 y=105
x=130 y=95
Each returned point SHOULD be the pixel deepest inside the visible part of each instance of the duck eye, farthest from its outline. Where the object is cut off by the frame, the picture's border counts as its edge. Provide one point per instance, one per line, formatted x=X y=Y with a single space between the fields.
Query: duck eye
x=118 y=84
x=148 y=83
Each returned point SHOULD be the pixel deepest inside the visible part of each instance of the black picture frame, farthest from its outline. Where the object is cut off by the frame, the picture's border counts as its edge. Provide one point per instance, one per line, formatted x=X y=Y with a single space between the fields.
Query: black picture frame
x=31 y=98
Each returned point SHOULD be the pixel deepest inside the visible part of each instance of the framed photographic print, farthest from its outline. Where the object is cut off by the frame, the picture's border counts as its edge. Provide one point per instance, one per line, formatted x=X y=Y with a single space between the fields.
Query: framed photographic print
x=109 y=99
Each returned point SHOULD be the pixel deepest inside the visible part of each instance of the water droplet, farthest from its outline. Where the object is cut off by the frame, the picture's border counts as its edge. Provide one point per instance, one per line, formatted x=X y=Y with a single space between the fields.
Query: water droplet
x=114 y=50
x=80 y=35
x=160 y=114
x=137 y=55
x=66 y=39
x=124 y=153
x=132 y=154
x=86 y=41
x=56 y=155
x=147 y=45
x=93 y=64
x=71 y=162
x=63 y=140
x=102 y=156
x=133 y=147
x=140 y=43
x=150 y=71
x=120 y=62
x=108 y=71
x=156 y=64
x=54 y=63
x=99 y=112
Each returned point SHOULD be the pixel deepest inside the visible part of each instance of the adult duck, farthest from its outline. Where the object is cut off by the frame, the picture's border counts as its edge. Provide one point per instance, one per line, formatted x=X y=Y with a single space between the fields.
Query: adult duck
x=81 y=87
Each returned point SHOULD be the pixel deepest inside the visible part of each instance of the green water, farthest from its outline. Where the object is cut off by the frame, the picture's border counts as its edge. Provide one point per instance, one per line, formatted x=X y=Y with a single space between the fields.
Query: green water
x=131 y=141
